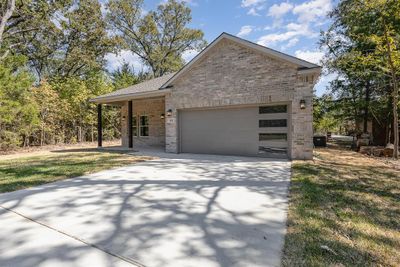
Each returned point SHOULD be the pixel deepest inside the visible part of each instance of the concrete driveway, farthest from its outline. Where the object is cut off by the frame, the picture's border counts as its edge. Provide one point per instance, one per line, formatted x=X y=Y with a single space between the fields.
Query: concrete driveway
x=177 y=210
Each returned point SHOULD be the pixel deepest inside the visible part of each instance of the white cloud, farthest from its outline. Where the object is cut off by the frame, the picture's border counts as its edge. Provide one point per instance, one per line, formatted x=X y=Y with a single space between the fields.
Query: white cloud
x=189 y=55
x=292 y=42
x=251 y=3
x=310 y=56
x=245 y=30
x=295 y=27
x=292 y=33
x=278 y=11
x=253 y=11
x=254 y=6
x=275 y=38
x=114 y=61
x=312 y=10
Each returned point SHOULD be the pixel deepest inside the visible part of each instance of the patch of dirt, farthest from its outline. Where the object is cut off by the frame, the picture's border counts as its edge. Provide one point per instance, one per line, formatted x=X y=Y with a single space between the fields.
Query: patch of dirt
x=45 y=150
x=356 y=159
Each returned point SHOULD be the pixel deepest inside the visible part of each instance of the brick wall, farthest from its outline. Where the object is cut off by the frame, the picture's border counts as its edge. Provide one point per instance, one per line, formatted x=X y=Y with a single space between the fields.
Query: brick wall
x=231 y=74
x=153 y=107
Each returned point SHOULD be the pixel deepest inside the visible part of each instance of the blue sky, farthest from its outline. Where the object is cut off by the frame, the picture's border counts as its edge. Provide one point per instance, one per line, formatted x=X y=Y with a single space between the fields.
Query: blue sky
x=291 y=26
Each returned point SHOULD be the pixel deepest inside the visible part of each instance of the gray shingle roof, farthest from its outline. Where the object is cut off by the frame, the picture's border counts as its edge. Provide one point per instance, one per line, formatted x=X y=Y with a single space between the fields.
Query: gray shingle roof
x=147 y=86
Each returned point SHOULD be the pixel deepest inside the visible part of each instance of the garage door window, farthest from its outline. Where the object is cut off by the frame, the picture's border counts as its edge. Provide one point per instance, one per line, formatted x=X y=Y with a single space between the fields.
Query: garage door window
x=144 y=125
x=272 y=137
x=272 y=150
x=272 y=123
x=272 y=109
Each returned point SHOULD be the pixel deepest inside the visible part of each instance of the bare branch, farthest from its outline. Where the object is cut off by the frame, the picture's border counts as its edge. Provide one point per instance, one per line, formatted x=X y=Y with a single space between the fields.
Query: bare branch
x=4 y=18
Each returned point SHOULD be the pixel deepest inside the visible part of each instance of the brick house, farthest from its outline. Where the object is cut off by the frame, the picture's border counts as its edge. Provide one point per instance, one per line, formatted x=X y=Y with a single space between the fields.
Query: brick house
x=234 y=98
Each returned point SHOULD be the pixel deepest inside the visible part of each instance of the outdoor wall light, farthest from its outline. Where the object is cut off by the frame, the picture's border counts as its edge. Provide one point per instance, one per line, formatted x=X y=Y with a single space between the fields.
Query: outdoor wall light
x=169 y=112
x=162 y=116
x=123 y=118
x=302 y=104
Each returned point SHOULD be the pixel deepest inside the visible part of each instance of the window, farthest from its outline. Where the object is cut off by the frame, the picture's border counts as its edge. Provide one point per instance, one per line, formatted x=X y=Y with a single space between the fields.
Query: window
x=144 y=125
x=272 y=150
x=272 y=137
x=272 y=109
x=134 y=126
x=272 y=123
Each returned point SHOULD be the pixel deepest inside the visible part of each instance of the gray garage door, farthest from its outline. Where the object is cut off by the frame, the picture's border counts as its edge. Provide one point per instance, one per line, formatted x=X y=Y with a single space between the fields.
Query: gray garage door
x=251 y=131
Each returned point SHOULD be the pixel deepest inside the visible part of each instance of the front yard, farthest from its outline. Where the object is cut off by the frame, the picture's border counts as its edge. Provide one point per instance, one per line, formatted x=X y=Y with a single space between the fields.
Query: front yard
x=344 y=211
x=27 y=170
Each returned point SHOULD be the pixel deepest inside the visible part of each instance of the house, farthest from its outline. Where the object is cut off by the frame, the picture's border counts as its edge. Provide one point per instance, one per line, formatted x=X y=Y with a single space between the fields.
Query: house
x=234 y=98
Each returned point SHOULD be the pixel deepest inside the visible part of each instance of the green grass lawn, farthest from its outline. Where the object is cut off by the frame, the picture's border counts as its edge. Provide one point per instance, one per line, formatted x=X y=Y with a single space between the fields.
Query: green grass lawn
x=26 y=171
x=344 y=211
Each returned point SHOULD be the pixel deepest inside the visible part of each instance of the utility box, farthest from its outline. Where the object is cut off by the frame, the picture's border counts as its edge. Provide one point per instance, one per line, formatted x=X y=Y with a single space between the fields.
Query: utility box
x=319 y=141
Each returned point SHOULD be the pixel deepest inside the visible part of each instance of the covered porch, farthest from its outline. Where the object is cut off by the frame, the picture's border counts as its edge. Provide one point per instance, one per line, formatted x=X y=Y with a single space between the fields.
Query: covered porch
x=142 y=123
x=143 y=114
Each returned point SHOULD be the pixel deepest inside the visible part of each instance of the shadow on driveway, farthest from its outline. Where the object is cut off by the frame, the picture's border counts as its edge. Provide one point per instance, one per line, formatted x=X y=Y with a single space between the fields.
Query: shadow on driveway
x=181 y=210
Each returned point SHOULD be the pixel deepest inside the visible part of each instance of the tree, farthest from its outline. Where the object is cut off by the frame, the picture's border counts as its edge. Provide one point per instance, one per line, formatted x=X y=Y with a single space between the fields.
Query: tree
x=364 y=47
x=60 y=38
x=160 y=37
x=7 y=9
x=51 y=112
x=326 y=115
x=124 y=76
x=18 y=112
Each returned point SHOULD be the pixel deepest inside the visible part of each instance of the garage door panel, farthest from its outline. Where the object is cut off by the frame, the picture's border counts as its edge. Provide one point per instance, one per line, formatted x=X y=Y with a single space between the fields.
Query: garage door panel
x=219 y=131
x=235 y=131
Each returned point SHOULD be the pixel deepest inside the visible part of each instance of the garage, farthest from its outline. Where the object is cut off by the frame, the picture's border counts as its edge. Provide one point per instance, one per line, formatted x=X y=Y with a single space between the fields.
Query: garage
x=246 y=131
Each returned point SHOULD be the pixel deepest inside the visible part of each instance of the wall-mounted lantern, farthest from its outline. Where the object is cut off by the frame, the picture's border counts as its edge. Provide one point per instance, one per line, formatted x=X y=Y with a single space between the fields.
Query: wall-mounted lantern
x=169 y=112
x=162 y=116
x=302 y=104
x=123 y=118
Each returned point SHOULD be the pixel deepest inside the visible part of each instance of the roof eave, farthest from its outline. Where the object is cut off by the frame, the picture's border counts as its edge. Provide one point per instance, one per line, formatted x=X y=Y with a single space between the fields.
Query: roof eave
x=310 y=70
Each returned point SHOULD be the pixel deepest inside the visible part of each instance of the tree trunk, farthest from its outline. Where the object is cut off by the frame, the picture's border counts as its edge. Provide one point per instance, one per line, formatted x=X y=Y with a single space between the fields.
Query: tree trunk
x=395 y=122
x=395 y=96
x=8 y=11
x=366 y=107
x=92 y=134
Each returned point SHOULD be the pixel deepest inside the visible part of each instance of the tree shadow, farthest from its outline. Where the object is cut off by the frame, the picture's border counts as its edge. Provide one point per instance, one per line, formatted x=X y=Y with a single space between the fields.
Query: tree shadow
x=178 y=211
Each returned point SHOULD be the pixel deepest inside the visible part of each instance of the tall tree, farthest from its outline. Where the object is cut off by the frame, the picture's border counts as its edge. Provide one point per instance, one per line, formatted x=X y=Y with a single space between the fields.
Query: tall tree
x=18 y=111
x=364 y=47
x=124 y=76
x=61 y=38
x=6 y=11
x=160 y=37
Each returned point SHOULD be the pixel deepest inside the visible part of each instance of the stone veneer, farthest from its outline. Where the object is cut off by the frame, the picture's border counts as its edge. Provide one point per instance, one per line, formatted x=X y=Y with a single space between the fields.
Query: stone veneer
x=232 y=74
x=153 y=107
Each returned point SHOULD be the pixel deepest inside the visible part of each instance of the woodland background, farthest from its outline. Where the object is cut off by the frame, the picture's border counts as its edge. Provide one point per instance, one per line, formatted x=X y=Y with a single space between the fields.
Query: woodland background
x=52 y=61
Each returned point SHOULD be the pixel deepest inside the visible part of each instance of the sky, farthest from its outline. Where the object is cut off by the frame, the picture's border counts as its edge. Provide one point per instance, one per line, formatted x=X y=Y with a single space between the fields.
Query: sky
x=290 y=26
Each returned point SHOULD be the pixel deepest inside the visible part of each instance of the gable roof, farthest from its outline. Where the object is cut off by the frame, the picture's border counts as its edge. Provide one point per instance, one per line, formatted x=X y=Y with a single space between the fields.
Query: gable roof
x=302 y=64
x=137 y=89
x=159 y=86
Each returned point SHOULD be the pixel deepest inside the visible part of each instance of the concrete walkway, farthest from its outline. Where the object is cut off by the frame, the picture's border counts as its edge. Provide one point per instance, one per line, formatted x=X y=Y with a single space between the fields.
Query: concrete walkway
x=178 y=210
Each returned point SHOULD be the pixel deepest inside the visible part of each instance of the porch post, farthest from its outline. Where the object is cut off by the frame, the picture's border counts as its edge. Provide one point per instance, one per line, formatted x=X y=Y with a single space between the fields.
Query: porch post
x=99 y=127
x=130 y=132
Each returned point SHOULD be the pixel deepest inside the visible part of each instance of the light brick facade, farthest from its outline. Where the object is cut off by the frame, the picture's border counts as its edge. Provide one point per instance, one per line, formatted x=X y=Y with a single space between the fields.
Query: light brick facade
x=231 y=74
x=153 y=108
